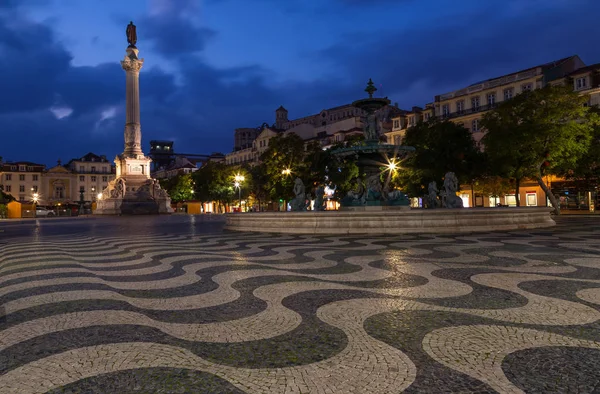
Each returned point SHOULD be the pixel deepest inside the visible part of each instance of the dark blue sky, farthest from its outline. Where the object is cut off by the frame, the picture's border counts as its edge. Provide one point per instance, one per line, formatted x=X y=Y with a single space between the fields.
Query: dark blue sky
x=214 y=65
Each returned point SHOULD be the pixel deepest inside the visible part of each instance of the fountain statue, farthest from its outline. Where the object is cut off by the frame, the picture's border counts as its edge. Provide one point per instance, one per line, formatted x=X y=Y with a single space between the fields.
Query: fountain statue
x=370 y=158
x=319 y=201
x=432 y=195
x=451 y=200
x=298 y=203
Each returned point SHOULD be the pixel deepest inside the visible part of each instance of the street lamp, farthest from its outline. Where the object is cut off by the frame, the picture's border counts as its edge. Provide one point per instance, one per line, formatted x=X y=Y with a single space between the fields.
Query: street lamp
x=238 y=183
x=93 y=193
x=287 y=171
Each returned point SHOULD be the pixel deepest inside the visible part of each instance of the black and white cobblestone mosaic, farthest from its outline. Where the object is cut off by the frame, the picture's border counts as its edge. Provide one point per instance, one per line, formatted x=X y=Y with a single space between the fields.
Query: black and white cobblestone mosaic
x=176 y=305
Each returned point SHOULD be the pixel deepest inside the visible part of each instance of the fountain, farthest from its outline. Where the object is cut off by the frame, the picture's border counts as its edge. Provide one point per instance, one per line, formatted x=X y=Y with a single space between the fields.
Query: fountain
x=370 y=157
x=373 y=209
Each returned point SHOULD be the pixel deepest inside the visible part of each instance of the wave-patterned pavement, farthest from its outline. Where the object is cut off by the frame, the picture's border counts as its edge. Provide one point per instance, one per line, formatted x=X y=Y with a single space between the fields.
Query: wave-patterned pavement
x=179 y=309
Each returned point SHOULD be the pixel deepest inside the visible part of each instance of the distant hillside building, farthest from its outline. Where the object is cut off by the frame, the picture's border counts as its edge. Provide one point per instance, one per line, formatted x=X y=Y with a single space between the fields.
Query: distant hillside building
x=327 y=127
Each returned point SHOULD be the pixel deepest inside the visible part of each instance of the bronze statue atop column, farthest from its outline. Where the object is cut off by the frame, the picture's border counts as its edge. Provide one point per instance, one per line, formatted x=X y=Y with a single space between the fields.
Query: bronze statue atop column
x=131 y=34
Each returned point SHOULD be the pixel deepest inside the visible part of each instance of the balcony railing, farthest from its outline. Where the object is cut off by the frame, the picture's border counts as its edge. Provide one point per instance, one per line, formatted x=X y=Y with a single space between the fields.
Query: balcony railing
x=481 y=108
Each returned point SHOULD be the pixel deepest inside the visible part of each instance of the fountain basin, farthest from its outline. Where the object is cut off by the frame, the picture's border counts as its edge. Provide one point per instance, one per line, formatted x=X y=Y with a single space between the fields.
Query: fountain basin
x=392 y=220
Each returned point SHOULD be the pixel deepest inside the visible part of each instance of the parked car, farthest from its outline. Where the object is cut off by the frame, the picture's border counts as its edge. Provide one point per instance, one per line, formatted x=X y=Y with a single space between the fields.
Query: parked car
x=43 y=212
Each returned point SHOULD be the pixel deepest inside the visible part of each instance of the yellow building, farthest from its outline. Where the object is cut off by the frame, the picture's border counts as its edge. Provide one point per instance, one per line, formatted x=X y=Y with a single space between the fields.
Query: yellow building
x=466 y=106
x=21 y=179
x=405 y=119
x=91 y=175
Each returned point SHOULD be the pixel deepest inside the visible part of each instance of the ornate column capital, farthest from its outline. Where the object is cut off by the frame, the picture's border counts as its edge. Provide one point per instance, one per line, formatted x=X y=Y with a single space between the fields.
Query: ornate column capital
x=132 y=65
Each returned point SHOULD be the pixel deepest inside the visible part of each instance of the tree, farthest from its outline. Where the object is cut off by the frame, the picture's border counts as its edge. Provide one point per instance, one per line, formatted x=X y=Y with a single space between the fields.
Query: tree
x=180 y=188
x=283 y=162
x=587 y=170
x=440 y=146
x=214 y=181
x=539 y=131
x=257 y=183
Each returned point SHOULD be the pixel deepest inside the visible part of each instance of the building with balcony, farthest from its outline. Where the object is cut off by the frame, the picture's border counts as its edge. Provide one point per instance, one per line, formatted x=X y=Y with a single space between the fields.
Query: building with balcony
x=403 y=119
x=467 y=105
x=91 y=174
x=21 y=179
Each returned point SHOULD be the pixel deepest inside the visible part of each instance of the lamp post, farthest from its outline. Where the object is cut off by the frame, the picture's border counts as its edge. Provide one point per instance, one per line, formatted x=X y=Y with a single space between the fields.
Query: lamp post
x=238 y=183
x=81 y=201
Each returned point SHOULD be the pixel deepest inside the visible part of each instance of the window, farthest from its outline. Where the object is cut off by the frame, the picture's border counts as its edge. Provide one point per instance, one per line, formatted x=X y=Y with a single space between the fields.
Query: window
x=21 y=188
x=460 y=106
x=396 y=124
x=411 y=121
x=397 y=140
x=59 y=192
x=21 y=197
x=34 y=188
x=491 y=98
x=81 y=189
x=21 y=168
x=35 y=177
x=81 y=168
x=29 y=168
x=508 y=93
x=475 y=125
x=581 y=83
x=104 y=179
x=445 y=110
x=475 y=103
x=93 y=169
x=104 y=169
x=8 y=177
x=8 y=188
x=81 y=178
x=427 y=116
x=93 y=179
x=526 y=87
x=21 y=177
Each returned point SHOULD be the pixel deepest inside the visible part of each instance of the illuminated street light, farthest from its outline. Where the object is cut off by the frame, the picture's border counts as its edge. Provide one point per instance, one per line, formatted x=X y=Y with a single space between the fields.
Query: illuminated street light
x=392 y=166
x=287 y=171
x=99 y=196
x=35 y=197
x=238 y=183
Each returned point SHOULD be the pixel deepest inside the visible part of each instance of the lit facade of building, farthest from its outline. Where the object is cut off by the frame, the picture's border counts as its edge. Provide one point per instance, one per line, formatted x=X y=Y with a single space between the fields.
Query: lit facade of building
x=21 y=179
x=61 y=184
x=91 y=175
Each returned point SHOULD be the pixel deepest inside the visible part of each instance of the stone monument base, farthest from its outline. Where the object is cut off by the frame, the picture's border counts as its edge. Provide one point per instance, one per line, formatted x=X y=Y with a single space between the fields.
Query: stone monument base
x=133 y=195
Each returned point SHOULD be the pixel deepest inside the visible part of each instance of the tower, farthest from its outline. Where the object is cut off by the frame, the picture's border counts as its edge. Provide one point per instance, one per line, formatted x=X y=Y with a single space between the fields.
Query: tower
x=281 y=117
x=133 y=191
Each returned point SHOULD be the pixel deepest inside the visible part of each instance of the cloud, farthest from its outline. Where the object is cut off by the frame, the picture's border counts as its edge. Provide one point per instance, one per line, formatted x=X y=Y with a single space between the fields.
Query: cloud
x=480 y=45
x=200 y=105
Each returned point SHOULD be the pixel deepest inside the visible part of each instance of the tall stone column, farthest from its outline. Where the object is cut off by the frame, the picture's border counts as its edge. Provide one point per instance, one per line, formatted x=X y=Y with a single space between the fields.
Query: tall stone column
x=133 y=129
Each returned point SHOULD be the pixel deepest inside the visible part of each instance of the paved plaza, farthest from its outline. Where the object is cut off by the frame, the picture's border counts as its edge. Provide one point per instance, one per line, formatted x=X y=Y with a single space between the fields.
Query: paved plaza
x=174 y=304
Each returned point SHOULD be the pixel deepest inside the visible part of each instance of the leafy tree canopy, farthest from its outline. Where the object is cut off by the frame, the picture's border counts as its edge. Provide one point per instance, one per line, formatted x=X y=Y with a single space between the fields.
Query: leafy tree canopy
x=541 y=130
x=440 y=146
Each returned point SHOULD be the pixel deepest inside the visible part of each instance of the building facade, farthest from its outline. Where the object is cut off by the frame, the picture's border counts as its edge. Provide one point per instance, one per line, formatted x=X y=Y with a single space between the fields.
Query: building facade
x=91 y=175
x=21 y=179
x=61 y=184
x=328 y=127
